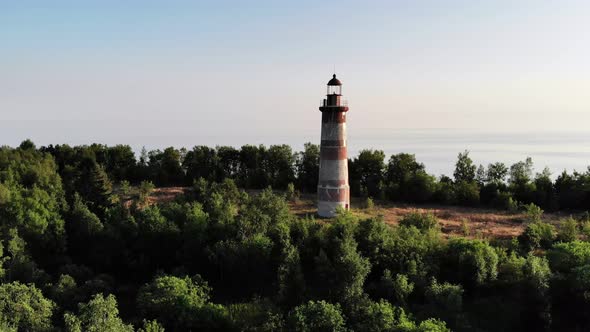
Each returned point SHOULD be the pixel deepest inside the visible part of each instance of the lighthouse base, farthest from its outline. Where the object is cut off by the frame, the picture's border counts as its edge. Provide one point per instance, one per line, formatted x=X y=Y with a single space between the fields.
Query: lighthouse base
x=330 y=199
x=328 y=209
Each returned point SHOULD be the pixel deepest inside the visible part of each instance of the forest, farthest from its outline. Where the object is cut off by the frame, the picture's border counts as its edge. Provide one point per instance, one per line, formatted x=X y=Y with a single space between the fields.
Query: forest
x=82 y=249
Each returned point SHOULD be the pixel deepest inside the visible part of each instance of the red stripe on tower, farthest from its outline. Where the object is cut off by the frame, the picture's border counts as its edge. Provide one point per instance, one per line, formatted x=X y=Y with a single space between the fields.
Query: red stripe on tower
x=333 y=152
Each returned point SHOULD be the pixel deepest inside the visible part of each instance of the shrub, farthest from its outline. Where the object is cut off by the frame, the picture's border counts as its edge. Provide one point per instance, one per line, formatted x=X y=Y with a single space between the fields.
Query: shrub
x=369 y=204
x=465 y=229
x=505 y=201
x=471 y=261
x=537 y=235
x=586 y=229
x=533 y=213
x=422 y=221
x=396 y=288
x=467 y=193
x=565 y=256
x=291 y=194
x=444 y=300
x=145 y=190
x=568 y=230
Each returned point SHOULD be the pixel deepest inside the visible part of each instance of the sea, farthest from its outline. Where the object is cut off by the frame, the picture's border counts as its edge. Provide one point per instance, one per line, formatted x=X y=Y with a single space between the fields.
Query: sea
x=437 y=149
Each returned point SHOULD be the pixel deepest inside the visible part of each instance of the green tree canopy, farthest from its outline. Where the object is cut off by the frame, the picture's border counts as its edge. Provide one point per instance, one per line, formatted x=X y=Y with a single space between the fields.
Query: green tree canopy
x=317 y=316
x=98 y=315
x=25 y=307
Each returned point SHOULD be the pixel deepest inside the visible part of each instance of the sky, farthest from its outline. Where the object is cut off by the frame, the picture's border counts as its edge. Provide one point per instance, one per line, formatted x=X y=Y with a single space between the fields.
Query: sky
x=183 y=73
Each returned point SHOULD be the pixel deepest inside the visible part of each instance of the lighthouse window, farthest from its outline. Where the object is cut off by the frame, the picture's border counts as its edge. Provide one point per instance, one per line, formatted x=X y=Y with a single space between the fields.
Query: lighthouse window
x=334 y=89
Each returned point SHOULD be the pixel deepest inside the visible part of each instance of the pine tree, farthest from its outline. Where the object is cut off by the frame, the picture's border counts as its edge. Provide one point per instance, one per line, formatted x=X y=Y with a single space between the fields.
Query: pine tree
x=100 y=194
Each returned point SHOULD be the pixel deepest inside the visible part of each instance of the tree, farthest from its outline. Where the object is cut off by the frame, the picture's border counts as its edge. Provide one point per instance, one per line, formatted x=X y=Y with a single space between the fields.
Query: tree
x=66 y=292
x=180 y=303
x=228 y=162
x=471 y=262
x=480 y=175
x=521 y=172
x=157 y=239
x=83 y=222
x=432 y=325
x=537 y=306
x=98 y=315
x=340 y=270
x=537 y=235
x=563 y=257
x=100 y=190
x=291 y=279
x=317 y=316
x=259 y=315
x=32 y=201
x=201 y=162
x=253 y=167
x=121 y=164
x=27 y=145
x=444 y=300
x=401 y=167
x=151 y=326
x=308 y=165
x=375 y=241
x=464 y=168
x=367 y=173
x=25 y=307
x=496 y=173
x=467 y=193
x=375 y=316
x=165 y=167
x=466 y=188
x=396 y=288
x=407 y=180
x=545 y=194
x=280 y=166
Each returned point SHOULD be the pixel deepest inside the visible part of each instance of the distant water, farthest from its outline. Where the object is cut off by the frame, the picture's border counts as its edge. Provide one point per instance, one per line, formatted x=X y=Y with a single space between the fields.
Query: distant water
x=438 y=148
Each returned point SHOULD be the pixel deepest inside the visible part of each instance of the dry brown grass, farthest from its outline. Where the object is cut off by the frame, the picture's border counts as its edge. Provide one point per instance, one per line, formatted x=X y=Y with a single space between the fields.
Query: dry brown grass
x=159 y=195
x=481 y=222
x=166 y=194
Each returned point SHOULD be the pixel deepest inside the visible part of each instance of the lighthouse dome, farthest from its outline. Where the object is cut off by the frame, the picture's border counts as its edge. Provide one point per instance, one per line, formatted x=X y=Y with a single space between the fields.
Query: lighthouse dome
x=334 y=81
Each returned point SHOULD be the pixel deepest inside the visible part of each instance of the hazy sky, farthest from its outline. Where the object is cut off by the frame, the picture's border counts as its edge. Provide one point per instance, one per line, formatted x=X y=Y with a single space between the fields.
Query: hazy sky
x=231 y=72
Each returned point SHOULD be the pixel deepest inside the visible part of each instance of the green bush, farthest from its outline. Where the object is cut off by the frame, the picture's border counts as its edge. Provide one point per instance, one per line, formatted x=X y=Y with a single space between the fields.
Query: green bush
x=369 y=204
x=565 y=256
x=568 y=230
x=444 y=300
x=467 y=193
x=471 y=262
x=25 y=307
x=533 y=213
x=537 y=235
x=317 y=316
x=505 y=201
x=422 y=221
x=291 y=194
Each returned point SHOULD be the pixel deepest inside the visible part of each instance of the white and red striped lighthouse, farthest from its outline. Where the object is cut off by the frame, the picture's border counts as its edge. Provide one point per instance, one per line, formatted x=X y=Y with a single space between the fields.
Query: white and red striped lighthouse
x=333 y=188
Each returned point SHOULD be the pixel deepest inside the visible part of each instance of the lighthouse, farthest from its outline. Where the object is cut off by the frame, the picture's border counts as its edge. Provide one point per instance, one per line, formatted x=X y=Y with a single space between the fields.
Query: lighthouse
x=333 y=188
